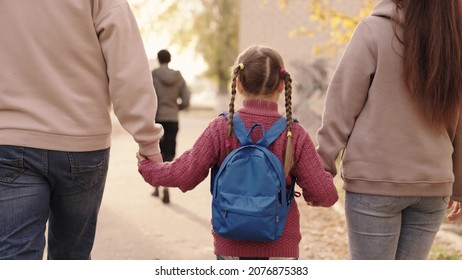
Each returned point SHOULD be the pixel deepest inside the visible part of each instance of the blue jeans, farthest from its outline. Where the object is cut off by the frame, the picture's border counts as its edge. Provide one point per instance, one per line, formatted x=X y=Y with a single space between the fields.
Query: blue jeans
x=38 y=186
x=392 y=227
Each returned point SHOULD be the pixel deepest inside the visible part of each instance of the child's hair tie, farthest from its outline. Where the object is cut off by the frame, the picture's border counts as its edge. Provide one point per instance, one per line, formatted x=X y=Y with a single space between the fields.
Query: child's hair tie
x=241 y=65
x=282 y=70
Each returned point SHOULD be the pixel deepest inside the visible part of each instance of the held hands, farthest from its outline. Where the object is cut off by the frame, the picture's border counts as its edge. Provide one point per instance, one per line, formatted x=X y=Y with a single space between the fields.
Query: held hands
x=156 y=158
x=456 y=212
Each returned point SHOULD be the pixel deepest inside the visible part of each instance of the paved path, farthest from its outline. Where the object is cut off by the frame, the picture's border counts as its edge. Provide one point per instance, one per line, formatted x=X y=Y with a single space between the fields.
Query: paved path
x=135 y=225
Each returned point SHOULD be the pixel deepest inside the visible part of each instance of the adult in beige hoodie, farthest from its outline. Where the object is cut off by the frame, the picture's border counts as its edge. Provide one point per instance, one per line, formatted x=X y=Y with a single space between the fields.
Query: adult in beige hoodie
x=63 y=66
x=393 y=108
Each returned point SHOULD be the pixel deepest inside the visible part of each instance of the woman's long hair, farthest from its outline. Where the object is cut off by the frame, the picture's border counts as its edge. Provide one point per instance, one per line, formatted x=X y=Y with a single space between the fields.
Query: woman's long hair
x=432 y=57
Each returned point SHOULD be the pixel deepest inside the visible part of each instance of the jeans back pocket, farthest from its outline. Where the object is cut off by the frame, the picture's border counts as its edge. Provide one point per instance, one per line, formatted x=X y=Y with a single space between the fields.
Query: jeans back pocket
x=89 y=168
x=11 y=163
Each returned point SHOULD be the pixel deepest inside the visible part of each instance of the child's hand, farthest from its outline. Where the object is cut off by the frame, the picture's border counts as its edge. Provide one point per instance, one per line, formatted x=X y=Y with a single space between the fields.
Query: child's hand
x=155 y=158
x=140 y=158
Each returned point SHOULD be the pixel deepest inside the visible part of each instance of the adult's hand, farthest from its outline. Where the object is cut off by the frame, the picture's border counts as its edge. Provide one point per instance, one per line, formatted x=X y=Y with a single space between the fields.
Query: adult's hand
x=155 y=158
x=456 y=211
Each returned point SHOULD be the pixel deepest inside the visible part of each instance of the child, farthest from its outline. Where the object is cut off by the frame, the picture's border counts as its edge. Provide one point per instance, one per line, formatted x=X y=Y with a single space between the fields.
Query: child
x=259 y=76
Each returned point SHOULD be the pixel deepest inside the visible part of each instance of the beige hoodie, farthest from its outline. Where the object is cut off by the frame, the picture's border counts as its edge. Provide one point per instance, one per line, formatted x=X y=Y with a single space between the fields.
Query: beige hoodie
x=62 y=65
x=389 y=149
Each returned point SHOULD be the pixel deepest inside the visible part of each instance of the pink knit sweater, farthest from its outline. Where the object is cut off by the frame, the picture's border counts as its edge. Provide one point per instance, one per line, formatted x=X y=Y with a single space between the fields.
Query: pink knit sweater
x=193 y=166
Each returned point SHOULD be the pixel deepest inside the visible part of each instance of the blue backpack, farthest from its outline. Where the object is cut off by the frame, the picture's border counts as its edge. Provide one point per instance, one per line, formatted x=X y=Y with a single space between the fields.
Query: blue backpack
x=250 y=199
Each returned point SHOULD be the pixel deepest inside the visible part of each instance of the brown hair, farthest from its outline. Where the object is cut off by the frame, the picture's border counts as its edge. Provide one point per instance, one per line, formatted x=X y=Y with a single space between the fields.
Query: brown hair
x=432 y=57
x=260 y=70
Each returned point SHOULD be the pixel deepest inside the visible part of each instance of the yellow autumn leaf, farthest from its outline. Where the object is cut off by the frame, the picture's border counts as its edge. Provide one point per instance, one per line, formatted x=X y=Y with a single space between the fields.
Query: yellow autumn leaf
x=335 y=22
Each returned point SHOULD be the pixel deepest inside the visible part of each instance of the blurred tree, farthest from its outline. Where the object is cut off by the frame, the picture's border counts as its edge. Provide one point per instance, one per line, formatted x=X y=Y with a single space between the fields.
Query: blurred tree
x=209 y=26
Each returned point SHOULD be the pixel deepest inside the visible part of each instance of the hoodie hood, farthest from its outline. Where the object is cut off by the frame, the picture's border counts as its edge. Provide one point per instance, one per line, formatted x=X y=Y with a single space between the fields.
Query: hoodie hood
x=166 y=75
x=387 y=8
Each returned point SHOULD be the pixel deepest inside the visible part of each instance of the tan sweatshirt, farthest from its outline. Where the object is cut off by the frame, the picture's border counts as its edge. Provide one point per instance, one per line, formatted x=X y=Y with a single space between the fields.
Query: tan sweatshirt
x=388 y=148
x=63 y=64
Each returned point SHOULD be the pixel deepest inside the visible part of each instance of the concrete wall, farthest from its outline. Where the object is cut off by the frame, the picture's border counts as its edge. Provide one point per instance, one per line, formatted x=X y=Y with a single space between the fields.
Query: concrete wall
x=267 y=24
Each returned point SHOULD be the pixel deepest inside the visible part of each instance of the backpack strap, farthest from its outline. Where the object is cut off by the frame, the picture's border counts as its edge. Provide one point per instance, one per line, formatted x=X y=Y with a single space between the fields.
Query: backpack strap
x=275 y=130
x=273 y=133
x=241 y=132
x=243 y=135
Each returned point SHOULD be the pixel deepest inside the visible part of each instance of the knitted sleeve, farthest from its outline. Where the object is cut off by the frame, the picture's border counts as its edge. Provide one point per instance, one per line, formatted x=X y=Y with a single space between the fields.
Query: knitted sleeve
x=192 y=167
x=317 y=185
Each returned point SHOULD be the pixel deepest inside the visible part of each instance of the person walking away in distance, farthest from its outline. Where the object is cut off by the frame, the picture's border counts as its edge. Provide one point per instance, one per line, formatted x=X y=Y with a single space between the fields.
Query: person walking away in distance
x=173 y=95
x=260 y=77
x=393 y=105
x=63 y=64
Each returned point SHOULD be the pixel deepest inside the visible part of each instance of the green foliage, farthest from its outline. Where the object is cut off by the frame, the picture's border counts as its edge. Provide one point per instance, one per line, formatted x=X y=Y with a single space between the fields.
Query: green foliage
x=218 y=27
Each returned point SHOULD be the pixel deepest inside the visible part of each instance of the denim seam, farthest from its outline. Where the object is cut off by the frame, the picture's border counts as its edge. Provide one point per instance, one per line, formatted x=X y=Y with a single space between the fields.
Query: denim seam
x=45 y=162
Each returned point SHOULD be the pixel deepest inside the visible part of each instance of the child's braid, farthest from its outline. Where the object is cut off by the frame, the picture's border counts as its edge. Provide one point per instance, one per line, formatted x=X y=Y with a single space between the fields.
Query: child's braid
x=289 y=157
x=231 y=103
